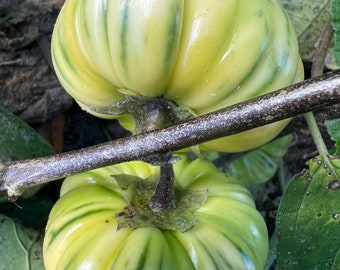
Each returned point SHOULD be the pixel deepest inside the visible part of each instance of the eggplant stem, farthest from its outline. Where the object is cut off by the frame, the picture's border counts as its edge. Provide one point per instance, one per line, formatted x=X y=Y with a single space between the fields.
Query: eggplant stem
x=164 y=196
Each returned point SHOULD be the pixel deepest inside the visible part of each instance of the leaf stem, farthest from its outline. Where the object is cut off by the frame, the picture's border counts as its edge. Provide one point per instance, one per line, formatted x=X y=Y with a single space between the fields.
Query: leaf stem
x=316 y=135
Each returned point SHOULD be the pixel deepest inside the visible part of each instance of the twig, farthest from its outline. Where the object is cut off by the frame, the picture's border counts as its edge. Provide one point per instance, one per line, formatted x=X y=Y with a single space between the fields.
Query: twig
x=317 y=70
x=306 y=96
x=321 y=50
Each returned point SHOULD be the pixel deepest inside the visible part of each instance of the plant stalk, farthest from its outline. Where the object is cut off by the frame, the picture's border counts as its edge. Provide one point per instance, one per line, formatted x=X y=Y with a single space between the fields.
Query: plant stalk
x=164 y=196
x=154 y=115
x=316 y=135
x=317 y=70
x=309 y=95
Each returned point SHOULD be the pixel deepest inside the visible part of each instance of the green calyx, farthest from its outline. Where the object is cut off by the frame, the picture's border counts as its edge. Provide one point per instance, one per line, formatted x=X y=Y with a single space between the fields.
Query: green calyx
x=149 y=113
x=137 y=213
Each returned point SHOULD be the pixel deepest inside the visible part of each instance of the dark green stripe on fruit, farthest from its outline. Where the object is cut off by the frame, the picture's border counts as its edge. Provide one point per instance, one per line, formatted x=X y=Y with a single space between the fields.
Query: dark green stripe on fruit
x=142 y=258
x=123 y=33
x=173 y=34
x=215 y=254
x=56 y=232
x=62 y=56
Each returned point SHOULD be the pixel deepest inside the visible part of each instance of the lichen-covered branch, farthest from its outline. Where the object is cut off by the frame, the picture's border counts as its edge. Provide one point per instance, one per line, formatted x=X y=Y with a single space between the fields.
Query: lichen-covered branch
x=307 y=96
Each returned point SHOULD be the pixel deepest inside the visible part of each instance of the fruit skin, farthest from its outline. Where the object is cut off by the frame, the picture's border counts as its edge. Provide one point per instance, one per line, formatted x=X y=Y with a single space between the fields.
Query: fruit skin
x=82 y=228
x=204 y=55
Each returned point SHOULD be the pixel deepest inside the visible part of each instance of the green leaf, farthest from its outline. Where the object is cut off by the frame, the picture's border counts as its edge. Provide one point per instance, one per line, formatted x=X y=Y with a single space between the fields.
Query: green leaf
x=336 y=25
x=18 y=140
x=32 y=212
x=308 y=223
x=333 y=128
x=259 y=165
x=21 y=248
x=309 y=19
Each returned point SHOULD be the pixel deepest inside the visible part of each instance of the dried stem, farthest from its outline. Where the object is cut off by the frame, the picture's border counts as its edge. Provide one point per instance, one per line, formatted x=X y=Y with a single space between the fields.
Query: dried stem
x=321 y=50
x=306 y=96
x=317 y=70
